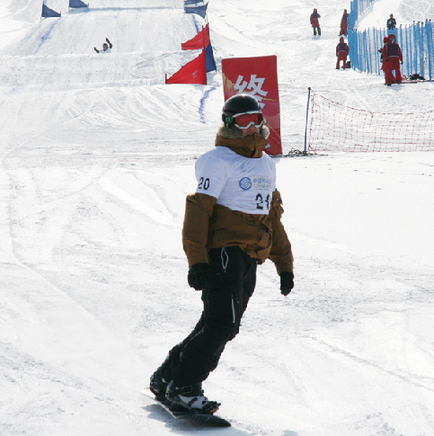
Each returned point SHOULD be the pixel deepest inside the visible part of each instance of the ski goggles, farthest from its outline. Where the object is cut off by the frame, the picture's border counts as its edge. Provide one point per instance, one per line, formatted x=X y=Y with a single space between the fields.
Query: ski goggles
x=248 y=119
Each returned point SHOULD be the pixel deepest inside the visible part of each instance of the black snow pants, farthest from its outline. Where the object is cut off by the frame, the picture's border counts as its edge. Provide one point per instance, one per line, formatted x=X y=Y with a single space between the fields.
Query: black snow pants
x=230 y=285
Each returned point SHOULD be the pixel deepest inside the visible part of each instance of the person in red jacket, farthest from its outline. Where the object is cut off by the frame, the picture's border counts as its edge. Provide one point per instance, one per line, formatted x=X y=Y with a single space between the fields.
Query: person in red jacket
x=314 y=20
x=384 y=62
x=344 y=24
x=342 y=51
x=393 y=56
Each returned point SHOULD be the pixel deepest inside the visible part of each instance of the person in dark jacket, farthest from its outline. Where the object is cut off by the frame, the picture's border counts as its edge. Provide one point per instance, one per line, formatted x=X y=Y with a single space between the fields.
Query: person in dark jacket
x=106 y=47
x=231 y=224
x=314 y=21
x=344 y=24
x=393 y=55
x=391 y=22
x=342 y=51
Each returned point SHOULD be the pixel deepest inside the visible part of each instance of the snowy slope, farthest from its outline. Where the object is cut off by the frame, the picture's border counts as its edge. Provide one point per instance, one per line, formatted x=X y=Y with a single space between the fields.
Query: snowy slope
x=97 y=156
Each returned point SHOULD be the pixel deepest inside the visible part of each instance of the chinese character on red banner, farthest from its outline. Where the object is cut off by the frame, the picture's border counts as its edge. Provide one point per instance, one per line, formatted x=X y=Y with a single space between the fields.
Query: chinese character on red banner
x=257 y=76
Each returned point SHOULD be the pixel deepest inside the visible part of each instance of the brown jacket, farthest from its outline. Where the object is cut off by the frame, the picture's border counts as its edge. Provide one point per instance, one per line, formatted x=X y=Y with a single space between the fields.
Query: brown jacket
x=209 y=225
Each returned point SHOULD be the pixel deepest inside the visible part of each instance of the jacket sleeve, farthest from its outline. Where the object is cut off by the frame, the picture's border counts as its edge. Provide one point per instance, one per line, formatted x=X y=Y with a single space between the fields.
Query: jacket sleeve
x=281 y=251
x=198 y=209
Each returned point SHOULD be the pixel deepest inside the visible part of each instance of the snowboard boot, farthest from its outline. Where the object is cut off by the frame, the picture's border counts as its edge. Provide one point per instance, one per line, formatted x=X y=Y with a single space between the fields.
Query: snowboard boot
x=191 y=398
x=158 y=385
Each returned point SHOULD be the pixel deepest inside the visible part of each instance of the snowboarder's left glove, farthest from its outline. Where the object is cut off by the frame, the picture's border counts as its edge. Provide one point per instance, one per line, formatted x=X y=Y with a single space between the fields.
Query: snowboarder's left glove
x=197 y=275
x=286 y=282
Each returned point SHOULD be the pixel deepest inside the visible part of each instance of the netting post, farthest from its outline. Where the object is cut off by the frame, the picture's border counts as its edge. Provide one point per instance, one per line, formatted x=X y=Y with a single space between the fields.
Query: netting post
x=307 y=117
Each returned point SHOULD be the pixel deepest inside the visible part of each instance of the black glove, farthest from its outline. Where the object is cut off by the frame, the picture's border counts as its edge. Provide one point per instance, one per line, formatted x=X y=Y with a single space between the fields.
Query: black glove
x=109 y=43
x=96 y=49
x=286 y=282
x=401 y=62
x=197 y=275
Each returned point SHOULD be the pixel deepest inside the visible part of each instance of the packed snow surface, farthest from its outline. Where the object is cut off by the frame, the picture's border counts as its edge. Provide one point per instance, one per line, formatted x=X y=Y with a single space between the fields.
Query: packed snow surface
x=97 y=156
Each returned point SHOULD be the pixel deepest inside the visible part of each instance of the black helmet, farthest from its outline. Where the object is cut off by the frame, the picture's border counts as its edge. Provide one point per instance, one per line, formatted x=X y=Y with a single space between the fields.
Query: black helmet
x=239 y=104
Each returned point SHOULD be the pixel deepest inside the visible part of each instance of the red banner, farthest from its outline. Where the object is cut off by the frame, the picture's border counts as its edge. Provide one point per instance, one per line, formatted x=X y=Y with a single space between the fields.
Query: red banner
x=201 y=40
x=258 y=77
x=192 y=72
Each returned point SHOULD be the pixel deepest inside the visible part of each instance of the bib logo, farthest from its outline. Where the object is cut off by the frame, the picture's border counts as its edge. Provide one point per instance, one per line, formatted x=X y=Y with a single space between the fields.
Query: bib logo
x=245 y=183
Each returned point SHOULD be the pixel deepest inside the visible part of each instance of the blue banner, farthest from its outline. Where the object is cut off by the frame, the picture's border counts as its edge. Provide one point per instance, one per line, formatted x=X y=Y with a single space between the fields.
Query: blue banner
x=210 y=62
x=77 y=4
x=192 y=9
x=49 y=13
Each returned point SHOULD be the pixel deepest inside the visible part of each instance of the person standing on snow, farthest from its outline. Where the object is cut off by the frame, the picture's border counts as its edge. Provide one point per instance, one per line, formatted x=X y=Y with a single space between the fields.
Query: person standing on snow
x=342 y=51
x=384 y=62
x=344 y=24
x=314 y=20
x=393 y=56
x=231 y=224
x=106 y=47
x=391 y=22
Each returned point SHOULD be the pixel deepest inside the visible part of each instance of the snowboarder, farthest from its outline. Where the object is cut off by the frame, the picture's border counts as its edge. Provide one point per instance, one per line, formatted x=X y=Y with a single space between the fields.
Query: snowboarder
x=391 y=22
x=344 y=24
x=106 y=47
x=314 y=20
x=393 y=56
x=342 y=51
x=231 y=224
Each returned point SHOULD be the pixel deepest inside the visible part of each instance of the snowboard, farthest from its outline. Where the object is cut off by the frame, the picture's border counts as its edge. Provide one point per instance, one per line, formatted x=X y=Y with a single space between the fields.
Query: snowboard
x=415 y=81
x=178 y=412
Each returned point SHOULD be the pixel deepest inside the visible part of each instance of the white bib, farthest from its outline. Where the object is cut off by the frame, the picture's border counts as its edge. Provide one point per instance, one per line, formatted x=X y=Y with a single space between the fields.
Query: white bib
x=238 y=182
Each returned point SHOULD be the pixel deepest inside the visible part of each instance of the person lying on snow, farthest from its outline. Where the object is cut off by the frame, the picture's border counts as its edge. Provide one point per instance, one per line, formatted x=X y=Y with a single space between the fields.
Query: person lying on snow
x=106 y=47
